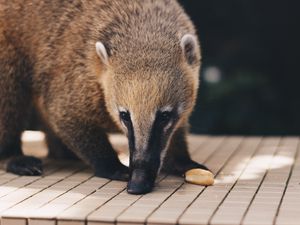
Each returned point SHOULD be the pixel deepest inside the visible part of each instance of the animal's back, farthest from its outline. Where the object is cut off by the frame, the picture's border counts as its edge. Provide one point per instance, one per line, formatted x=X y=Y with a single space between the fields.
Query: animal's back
x=40 y=26
x=58 y=37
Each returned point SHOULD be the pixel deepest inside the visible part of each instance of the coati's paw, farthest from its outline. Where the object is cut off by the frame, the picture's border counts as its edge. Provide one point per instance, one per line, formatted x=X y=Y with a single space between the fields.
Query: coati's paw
x=180 y=168
x=25 y=166
x=119 y=172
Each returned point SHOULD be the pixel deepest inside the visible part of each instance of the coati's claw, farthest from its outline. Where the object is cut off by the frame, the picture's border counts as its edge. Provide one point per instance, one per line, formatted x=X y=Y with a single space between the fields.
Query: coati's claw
x=25 y=166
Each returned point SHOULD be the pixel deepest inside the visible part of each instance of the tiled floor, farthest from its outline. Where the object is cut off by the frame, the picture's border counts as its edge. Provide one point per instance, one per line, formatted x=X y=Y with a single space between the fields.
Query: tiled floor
x=257 y=183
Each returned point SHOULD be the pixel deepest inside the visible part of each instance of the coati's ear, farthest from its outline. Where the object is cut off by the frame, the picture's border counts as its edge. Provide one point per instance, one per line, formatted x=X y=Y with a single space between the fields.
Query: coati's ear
x=101 y=52
x=190 y=48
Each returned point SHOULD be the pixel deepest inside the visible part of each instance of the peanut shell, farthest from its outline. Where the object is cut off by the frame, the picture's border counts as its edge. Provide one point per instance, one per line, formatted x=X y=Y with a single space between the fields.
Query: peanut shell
x=200 y=177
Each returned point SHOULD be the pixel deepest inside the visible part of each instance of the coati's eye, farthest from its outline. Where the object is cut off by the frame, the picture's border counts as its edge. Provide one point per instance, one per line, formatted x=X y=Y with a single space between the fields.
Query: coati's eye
x=125 y=116
x=165 y=117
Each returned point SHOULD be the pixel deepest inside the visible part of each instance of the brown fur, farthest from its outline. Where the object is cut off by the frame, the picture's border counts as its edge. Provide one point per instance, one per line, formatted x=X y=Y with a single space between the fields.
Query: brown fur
x=48 y=59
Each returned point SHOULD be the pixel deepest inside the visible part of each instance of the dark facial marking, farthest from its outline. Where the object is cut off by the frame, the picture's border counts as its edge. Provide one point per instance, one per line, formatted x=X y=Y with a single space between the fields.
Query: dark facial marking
x=126 y=119
x=158 y=138
x=163 y=118
x=143 y=170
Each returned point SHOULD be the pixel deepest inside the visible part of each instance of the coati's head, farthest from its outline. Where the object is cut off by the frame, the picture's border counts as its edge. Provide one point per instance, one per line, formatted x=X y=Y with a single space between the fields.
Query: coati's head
x=150 y=92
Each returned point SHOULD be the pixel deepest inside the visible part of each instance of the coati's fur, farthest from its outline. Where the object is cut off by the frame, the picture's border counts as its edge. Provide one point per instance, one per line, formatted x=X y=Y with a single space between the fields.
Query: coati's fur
x=89 y=67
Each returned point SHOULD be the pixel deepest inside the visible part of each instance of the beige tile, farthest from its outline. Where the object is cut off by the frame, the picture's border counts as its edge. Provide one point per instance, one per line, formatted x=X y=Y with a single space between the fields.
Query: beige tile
x=41 y=222
x=13 y=221
x=70 y=222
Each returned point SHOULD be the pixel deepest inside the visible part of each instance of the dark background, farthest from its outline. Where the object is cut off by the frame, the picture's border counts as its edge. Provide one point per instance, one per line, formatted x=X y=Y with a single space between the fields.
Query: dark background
x=250 y=73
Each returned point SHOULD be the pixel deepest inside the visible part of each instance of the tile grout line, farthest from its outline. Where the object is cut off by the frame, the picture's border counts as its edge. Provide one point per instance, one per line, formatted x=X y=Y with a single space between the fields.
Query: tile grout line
x=18 y=176
x=40 y=178
x=40 y=190
x=287 y=182
x=56 y=220
x=8 y=182
x=116 y=219
x=177 y=222
x=234 y=184
x=205 y=141
x=218 y=172
x=108 y=200
x=215 y=150
x=147 y=217
x=209 y=157
x=76 y=172
x=261 y=182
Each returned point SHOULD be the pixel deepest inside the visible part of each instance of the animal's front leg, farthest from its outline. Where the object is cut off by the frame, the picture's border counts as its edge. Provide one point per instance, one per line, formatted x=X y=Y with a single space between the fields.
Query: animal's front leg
x=178 y=160
x=91 y=144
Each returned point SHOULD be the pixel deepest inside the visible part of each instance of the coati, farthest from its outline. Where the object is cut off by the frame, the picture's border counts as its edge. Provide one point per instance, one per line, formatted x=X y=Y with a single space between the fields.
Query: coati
x=89 y=67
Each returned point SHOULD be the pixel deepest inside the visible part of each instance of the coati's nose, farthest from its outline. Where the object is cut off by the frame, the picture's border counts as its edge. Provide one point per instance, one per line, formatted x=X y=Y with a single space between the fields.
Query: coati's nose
x=140 y=182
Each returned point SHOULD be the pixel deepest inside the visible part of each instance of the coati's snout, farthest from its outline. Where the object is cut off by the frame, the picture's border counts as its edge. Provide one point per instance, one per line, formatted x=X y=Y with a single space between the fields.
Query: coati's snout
x=141 y=182
x=148 y=141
